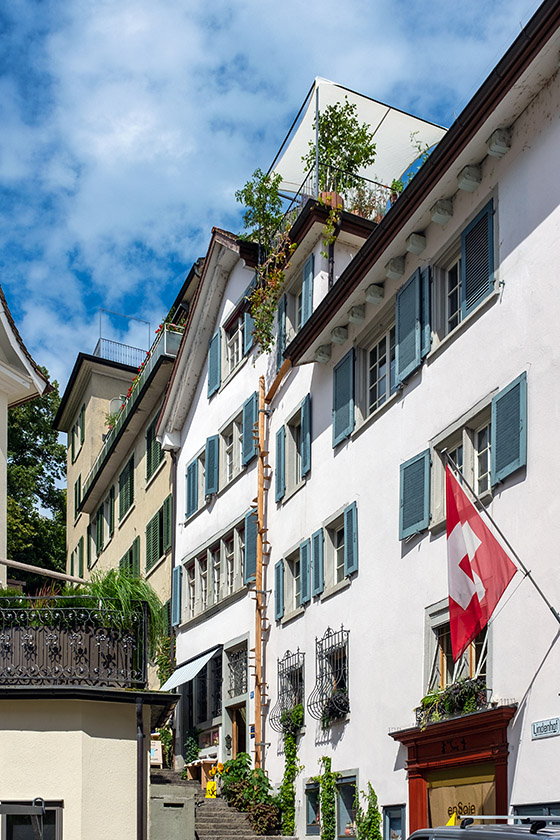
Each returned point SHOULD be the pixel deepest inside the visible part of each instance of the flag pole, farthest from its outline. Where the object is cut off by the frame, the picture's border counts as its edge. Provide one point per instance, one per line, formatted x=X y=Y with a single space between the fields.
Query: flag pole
x=522 y=565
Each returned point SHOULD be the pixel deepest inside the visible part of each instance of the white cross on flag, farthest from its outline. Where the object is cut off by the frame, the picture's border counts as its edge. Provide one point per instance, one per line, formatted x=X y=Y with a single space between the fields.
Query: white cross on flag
x=479 y=569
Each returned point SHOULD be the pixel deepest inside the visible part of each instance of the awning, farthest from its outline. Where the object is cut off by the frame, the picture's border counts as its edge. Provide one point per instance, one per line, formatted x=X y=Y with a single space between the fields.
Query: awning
x=188 y=671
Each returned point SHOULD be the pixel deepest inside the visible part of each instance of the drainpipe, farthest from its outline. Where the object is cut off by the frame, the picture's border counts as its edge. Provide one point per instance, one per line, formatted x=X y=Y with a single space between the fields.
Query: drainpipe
x=259 y=603
x=331 y=254
x=140 y=774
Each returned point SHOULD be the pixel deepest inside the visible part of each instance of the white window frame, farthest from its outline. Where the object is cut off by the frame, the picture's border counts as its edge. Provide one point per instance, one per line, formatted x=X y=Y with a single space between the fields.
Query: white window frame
x=293 y=453
x=294 y=307
x=233 y=345
x=369 y=338
x=231 y=453
x=332 y=553
x=463 y=432
x=436 y=620
x=292 y=582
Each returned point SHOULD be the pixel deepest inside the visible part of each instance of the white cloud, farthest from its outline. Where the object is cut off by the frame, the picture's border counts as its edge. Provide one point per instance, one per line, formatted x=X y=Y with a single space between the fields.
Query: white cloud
x=129 y=124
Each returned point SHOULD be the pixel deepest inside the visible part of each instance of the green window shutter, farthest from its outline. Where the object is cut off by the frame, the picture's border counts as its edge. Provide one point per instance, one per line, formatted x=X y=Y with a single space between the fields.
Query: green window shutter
x=281 y=337
x=149 y=462
x=166 y=617
x=168 y=523
x=126 y=488
x=176 y=585
x=307 y=290
x=343 y=398
x=214 y=363
x=414 y=504
x=250 y=415
x=99 y=531
x=88 y=548
x=280 y=477
x=124 y=562
x=305 y=571
x=212 y=464
x=82 y=424
x=477 y=260
x=77 y=495
x=72 y=563
x=508 y=431
x=248 y=328
x=152 y=541
x=317 y=562
x=81 y=557
x=425 y=312
x=192 y=488
x=135 y=551
x=350 y=539
x=408 y=332
x=112 y=511
x=73 y=442
x=154 y=452
x=306 y=435
x=279 y=590
x=251 y=528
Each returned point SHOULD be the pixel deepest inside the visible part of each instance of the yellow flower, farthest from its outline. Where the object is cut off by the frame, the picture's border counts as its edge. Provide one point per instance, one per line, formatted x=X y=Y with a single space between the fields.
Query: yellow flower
x=220 y=767
x=212 y=771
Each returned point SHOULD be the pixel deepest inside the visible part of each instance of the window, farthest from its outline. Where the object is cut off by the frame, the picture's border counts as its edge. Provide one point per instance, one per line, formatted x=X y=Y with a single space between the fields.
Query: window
x=203 y=581
x=201 y=681
x=216 y=568
x=234 y=344
x=293 y=450
x=237 y=670
x=229 y=558
x=231 y=448
x=381 y=371
x=77 y=495
x=465 y=276
x=394 y=824
x=109 y=512
x=154 y=452
x=131 y=558
x=487 y=443
x=99 y=531
x=25 y=827
x=341 y=547
x=126 y=488
x=312 y=810
x=441 y=670
x=77 y=434
x=216 y=673
x=550 y=809
x=159 y=533
x=196 y=484
x=293 y=582
x=330 y=699
x=290 y=688
x=191 y=590
x=77 y=559
x=346 y=812
x=299 y=299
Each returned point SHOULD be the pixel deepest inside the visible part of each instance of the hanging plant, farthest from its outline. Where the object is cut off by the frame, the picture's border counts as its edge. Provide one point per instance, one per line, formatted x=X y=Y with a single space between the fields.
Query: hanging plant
x=330 y=229
x=268 y=291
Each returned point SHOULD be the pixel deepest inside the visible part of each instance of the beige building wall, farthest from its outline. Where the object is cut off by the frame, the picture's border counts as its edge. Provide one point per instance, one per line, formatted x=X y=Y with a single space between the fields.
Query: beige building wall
x=78 y=751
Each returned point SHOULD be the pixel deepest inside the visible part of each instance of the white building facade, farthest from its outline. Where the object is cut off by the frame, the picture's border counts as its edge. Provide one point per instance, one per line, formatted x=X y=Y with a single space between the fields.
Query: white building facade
x=433 y=340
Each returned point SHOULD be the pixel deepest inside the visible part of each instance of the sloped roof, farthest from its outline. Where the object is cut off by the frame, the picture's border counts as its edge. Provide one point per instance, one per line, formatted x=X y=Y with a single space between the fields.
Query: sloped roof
x=37 y=382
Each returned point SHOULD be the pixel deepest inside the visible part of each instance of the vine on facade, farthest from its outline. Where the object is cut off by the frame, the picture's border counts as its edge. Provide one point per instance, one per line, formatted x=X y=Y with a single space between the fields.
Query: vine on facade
x=291 y=721
x=266 y=295
x=327 y=798
x=368 y=817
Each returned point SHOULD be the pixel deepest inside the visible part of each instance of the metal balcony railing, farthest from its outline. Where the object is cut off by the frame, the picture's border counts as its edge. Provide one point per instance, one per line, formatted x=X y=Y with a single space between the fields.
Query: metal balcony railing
x=74 y=640
x=123 y=354
x=166 y=344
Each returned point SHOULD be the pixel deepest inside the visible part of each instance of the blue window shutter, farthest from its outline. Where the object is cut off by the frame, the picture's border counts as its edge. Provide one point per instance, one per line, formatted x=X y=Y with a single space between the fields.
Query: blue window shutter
x=307 y=290
x=508 y=444
x=248 y=327
x=408 y=332
x=279 y=590
x=192 y=488
x=350 y=539
x=305 y=571
x=306 y=435
x=425 y=312
x=343 y=398
x=280 y=463
x=281 y=339
x=214 y=364
x=211 y=462
x=317 y=562
x=250 y=414
x=251 y=528
x=414 y=506
x=176 y=582
x=477 y=260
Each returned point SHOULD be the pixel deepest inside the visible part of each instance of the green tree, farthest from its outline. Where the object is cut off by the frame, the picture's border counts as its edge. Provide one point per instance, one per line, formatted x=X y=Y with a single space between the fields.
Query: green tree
x=345 y=146
x=36 y=514
x=263 y=215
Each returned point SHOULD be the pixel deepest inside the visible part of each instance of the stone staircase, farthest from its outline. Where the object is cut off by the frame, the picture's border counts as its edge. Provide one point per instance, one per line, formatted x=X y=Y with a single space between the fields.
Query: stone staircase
x=215 y=820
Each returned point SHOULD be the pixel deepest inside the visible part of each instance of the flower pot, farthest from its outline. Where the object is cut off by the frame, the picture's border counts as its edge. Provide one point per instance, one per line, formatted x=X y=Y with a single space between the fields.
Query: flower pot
x=332 y=199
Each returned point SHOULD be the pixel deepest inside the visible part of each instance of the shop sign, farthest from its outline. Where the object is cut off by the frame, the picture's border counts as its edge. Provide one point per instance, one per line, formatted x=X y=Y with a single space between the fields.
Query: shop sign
x=545 y=728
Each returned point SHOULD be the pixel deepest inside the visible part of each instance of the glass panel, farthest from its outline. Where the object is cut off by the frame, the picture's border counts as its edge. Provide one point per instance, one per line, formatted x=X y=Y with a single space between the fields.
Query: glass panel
x=339 y=555
x=483 y=460
x=346 y=811
x=453 y=296
x=393 y=823
x=312 y=809
x=21 y=827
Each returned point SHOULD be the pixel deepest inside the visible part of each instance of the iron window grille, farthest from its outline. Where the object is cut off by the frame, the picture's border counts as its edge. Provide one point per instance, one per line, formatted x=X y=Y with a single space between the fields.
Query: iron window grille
x=291 y=688
x=217 y=685
x=329 y=699
x=237 y=670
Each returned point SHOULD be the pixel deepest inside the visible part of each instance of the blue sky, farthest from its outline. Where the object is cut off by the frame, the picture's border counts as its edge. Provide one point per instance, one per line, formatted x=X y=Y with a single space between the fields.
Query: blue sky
x=128 y=126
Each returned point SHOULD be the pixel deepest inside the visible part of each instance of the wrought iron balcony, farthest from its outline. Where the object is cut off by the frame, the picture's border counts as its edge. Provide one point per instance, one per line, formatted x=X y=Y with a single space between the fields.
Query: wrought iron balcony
x=123 y=354
x=166 y=344
x=460 y=698
x=75 y=640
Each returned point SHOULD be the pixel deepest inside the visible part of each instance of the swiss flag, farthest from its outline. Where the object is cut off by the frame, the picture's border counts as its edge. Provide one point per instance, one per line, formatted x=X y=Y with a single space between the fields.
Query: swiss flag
x=479 y=569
